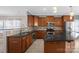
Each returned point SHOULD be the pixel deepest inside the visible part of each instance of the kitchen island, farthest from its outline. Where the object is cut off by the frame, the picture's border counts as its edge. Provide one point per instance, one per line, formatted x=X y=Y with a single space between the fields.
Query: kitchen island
x=59 y=44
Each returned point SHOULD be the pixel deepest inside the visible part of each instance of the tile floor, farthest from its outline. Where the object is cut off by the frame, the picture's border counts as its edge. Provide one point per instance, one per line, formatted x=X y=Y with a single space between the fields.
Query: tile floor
x=36 y=47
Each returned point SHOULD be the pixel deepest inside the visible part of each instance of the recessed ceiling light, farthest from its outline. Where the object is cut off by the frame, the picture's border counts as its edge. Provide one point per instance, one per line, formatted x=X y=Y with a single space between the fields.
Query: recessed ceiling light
x=54 y=9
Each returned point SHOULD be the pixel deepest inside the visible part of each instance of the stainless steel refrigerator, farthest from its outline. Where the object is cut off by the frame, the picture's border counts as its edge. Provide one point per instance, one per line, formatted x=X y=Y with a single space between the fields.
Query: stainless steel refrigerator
x=72 y=29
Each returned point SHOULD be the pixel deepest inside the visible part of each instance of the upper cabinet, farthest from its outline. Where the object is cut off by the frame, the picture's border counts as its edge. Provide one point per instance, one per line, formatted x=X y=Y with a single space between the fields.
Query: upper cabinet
x=36 y=18
x=42 y=21
x=33 y=20
x=30 y=20
x=58 y=22
x=50 y=19
x=68 y=18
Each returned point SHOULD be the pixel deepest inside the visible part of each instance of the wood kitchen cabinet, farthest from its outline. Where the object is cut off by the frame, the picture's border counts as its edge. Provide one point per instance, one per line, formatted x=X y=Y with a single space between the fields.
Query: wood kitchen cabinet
x=30 y=20
x=29 y=40
x=40 y=34
x=54 y=47
x=50 y=18
x=36 y=19
x=58 y=22
x=42 y=21
x=59 y=46
x=24 y=43
x=67 y=18
x=14 y=44
x=18 y=44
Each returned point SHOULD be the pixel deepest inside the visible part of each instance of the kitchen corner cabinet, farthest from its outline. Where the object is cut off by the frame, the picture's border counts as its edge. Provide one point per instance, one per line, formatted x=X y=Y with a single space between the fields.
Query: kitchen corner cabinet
x=36 y=18
x=18 y=44
x=67 y=18
x=30 y=20
x=40 y=34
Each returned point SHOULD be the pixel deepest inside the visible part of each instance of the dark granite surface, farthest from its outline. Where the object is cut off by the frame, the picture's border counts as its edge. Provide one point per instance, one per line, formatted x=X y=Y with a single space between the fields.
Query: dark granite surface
x=61 y=37
x=22 y=34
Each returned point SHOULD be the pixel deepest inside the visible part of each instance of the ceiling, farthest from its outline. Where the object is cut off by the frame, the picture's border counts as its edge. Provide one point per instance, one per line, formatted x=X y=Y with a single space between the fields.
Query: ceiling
x=36 y=10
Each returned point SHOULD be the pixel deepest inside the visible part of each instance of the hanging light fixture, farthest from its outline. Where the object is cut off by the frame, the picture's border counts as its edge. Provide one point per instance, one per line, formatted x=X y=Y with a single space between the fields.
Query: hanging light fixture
x=71 y=13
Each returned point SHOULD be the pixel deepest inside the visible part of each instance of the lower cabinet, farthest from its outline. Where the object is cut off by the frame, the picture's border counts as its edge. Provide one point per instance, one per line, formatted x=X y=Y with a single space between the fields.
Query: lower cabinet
x=59 y=46
x=54 y=47
x=14 y=44
x=40 y=34
x=18 y=44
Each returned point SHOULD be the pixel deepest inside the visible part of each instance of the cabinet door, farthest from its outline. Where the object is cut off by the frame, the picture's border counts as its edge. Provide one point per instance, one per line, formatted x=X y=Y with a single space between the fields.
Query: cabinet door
x=27 y=41
x=30 y=20
x=30 y=39
x=40 y=34
x=67 y=18
x=50 y=47
x=36 y=20
x=42 y=21
x=60 y=46
x=14 y=44
x=24 y=43
x=54 y=47
x=59 y=22
x=50 y=18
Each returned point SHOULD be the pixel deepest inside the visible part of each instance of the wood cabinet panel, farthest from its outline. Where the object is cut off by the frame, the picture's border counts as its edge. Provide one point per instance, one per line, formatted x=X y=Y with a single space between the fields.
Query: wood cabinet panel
x=54 y=47
x=24 y=43
x=58 y=22
x=40 y=34
x=36 y=18
x=42 y=21
x=67 y=18
x=30 y=20
x=14 y=44
x=18 y=44
x=50 y=18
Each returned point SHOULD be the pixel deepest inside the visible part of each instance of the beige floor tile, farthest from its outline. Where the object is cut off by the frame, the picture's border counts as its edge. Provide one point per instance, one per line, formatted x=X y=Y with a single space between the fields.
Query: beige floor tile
x=36 y=47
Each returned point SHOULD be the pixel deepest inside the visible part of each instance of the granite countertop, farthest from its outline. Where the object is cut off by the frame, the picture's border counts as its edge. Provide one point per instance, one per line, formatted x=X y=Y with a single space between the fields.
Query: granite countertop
x=60 y=37
x=22 y=34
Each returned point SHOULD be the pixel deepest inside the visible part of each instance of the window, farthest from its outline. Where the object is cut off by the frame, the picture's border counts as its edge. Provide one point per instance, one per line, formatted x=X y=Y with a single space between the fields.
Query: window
x=1 y=24
x=10 y=24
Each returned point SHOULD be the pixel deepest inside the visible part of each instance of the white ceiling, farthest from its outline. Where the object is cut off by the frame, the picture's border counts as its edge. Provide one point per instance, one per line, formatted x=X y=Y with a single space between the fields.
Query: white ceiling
x=36 y=10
